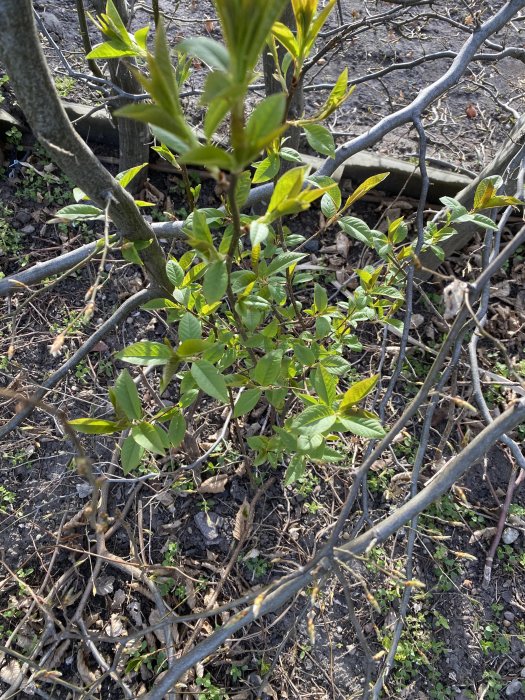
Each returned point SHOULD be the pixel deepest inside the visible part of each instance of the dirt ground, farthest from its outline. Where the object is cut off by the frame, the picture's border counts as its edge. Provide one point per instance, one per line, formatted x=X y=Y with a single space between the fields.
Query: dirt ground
x=461 y=640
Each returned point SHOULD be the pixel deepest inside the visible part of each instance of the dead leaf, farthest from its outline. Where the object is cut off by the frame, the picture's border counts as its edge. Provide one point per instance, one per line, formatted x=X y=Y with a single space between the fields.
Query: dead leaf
x=215 y=484
x=241 y=521
x=487 y=533
x=104 y=585
x=115 y=627
x=86 y=674
x=453 y=296
x=342 y=244
x=10 y=673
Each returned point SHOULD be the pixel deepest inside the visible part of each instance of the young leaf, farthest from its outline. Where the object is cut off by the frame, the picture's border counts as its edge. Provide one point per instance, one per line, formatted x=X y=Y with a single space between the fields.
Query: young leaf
x=320 y=139
x=267 y=169
x=246 y=402
x=210 y=380
x=127 y=396
x=126 y=176
x=365 y=187
x=146 y=353
x=357 y=392
x=95 y=426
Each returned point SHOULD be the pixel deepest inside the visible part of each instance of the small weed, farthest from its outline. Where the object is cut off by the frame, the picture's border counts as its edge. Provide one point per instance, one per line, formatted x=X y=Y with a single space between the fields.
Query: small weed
x=493 y=641
x=64 y=85
x=210 y=690
x=6 y=499
x=13 y=136
x=258 y=566
x=172 y=554
x=494 y=684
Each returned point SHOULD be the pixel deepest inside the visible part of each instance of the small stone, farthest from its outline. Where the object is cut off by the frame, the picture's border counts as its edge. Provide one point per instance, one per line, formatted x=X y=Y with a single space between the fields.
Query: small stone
x=510 y=535
x=509 y=616
x=522 y=673
x=506 y=623
x=208 y=524
x=84 y=490
x=29 y=228
x=513 y=687
x=53 y=24
x=23 y=217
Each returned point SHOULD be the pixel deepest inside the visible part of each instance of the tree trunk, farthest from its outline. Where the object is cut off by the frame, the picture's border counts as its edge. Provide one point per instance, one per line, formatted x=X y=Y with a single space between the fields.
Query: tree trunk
x=134 y=136
x=37 y=96
x=296 y=106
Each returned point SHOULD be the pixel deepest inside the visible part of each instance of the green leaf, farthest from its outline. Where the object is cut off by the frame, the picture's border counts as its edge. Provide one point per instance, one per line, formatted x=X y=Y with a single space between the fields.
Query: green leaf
x=146 y=353
x=361 y=423
x=210 y=380
x=147 y=436
x=209 y=157
x=486 y=189
x=189 y=327
x=111 y=49
x=174 y=272
x=268 y=368
x=266 y=119
x=320 y=298
x=215 y=281
x=320 y=139
x=193 y=346
x=365 y=187
x=357 y=392
x=325 y=385
x=207 y=50
x=305 y=355
x=267 y=169
x=242 y=188
x=130 y=455
x=79 y=212
x=328 y=206
x=283 y=262
x=127 y=396
x=284 y=35
x=288 y=186
x=130 y=253
x=246 y=402
x=177 y=429
x=258 y=232
x=95 y=426
x=314 y=420
x=126 y=176
x=290 y=155
x=295 y=470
